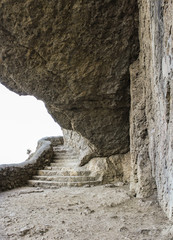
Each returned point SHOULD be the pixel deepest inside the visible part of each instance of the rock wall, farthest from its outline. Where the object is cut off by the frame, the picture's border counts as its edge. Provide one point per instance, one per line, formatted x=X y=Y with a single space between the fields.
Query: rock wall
x=152 y=104
x=17 y=175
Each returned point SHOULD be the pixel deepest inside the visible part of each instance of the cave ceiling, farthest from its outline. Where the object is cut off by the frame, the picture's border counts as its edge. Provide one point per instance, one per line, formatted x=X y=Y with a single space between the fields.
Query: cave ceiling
x=75 y=56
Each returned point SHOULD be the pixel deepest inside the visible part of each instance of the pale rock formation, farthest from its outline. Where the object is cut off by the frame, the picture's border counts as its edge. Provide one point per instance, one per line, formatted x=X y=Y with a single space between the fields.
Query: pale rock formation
x=75 y=56
x=152 y=104
x=116 y=168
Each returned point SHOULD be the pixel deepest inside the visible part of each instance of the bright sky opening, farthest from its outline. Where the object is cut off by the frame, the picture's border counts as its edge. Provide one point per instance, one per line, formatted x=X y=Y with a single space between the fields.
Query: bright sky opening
x=23 y=121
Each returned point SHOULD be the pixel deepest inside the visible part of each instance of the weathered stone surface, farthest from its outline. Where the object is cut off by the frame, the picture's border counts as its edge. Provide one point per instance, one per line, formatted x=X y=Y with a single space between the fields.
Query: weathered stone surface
x=152 y=104
x=126 y=166
x=142 y=182
x=81 y=145
x=75 y=56
x=113 y=169
x=64 y=171
x=17 y=175
x=55 y=141
x=105 y=169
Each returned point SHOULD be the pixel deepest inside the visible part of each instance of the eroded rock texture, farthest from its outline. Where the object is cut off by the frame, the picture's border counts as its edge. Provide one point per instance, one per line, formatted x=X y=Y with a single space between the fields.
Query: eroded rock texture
x=152 y=104
x=75 y=56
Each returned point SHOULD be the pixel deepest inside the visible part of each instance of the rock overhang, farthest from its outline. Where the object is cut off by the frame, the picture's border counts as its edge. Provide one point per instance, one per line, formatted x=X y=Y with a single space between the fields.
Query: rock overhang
x=75 y=56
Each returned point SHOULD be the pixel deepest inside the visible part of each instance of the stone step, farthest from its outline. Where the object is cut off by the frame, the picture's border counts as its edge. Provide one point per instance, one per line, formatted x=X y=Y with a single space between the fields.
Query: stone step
x=52 y=184
x=63 y=151
x=63 y=173
x=61 y=148
x=65 y=158
x=66 y=161
x=63 y=164
x=65 y=178
x=65 y=154
x=65 y=168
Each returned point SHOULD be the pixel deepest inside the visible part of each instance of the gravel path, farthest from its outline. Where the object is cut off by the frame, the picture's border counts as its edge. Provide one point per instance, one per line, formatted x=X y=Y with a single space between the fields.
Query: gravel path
x=96 y=213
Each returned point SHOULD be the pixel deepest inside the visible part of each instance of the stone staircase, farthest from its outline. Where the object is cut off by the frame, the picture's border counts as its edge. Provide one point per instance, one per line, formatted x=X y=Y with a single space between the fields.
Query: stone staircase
x=63 y=171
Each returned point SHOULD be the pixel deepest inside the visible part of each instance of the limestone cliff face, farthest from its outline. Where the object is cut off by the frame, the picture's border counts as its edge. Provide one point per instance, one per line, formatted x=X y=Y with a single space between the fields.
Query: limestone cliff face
x=75 y=56
x=152 y=104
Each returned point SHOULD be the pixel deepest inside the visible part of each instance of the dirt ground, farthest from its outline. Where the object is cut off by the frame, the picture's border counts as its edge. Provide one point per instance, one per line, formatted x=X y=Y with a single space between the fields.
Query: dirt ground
x=86 y=213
